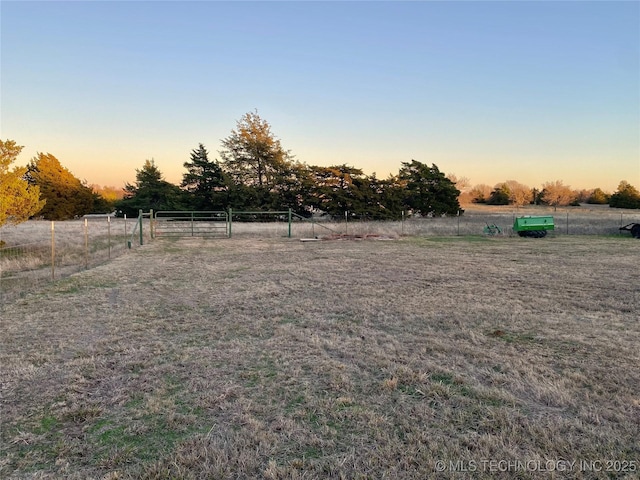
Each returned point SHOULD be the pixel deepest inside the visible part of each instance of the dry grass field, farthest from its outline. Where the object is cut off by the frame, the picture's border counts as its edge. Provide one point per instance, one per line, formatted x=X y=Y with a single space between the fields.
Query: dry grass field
x=419 y=357
x=27 y=249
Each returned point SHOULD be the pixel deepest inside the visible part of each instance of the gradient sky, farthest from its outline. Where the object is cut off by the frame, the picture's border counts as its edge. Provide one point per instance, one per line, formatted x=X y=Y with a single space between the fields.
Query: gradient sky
x=492 y=91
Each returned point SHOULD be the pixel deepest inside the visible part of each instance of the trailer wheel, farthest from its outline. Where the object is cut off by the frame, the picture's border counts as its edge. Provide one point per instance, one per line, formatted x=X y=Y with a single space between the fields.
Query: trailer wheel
x=635 y=230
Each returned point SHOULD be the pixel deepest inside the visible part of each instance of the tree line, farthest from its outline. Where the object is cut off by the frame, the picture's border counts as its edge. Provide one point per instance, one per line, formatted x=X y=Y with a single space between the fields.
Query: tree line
x=554 y=194
x=255 y=172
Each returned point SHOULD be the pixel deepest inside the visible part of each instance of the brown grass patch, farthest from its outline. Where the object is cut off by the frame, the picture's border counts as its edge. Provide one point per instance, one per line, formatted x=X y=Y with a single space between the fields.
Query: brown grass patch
x=274 y=358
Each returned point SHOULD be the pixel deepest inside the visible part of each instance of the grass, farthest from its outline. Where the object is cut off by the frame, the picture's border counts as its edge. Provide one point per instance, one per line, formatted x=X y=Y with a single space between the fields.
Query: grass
x=26 y=251
x=273 y=358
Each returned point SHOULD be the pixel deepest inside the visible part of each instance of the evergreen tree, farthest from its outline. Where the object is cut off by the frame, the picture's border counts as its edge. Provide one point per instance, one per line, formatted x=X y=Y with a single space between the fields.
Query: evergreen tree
x=18 y=199
x=293 y=184
x=627 y=196
x=500 y=195
x=255 y=160
x=598 y=197
x=205 y=181
x=338 y=189
x=150 y=191
x=66 y=196
x=428 y=191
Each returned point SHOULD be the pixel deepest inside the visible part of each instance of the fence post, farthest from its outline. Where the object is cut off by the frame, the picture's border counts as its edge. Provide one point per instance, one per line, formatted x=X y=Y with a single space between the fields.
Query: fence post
x=289 y=222
x=346 y=223
x=86 y=244
x=53 y=251
x=109 y=237
x=126 y=242
x=151 y=224
x=192 y=224
x=140 y=225
x=230 y=220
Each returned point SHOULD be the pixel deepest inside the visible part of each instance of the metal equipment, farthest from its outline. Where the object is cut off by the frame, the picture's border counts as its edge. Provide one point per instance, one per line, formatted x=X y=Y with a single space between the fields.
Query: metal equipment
x=634 y=228
x=492 y=229
x=535 y=227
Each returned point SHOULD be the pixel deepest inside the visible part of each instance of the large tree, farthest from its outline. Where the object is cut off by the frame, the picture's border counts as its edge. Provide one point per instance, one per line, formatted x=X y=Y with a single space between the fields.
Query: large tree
x=341 y=189
x=519 y=194
x=337 y=189
x=18 y=199
x=293 y=186
x=254 y=158
x=428 y=191
x=66 y=196
x=150 y=191
x=557 y=194
x=384 y=198
x=627 y=196
x=205 y=181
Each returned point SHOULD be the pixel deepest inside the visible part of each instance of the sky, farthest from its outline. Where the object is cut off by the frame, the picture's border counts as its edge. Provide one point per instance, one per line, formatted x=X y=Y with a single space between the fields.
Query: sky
x=487 y=90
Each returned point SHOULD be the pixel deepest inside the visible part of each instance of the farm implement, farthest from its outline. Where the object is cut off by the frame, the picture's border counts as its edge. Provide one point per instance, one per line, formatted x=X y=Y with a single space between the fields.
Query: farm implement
x=634 y=228
x=534 y=227
x=492 y=229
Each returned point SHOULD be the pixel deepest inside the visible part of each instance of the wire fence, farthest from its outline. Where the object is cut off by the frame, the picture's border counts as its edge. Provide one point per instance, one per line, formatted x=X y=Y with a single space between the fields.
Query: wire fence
x=566 y=222
x=474 y=222
x=38 y=251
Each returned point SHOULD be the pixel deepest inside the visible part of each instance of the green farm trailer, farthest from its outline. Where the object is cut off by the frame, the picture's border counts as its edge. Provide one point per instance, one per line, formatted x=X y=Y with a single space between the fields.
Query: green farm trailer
x=535 y=227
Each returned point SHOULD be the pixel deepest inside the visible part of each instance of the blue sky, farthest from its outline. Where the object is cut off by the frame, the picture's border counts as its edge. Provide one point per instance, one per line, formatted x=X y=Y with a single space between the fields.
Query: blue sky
x=492 y=91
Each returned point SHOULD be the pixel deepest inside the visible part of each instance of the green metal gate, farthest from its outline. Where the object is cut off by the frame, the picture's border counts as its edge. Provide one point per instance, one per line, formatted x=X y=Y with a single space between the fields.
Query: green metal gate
x=191 y=224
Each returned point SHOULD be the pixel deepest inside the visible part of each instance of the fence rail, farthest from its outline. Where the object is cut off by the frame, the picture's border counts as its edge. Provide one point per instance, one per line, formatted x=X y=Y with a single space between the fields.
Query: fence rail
x=191 y=223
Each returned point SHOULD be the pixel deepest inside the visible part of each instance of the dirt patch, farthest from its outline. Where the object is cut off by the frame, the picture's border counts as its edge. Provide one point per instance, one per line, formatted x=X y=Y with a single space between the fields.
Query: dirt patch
x=363 y=236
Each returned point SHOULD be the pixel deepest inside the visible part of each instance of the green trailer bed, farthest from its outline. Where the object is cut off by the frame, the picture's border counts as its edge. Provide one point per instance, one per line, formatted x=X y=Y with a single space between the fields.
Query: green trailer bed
x=535 y=227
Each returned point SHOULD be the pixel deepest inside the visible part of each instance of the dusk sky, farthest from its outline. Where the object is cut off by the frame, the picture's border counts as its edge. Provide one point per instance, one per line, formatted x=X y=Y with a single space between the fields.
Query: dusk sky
x=492 y=91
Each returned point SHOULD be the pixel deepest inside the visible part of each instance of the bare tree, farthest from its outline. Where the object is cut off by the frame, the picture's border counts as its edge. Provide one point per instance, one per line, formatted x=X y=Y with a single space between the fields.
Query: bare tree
x=519 y=194
x=462 y=183
x=557 y=194
x=480 y=193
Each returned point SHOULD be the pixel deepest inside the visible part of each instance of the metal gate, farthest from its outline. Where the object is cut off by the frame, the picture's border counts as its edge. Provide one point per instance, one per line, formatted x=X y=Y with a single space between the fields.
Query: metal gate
x=191 y=224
